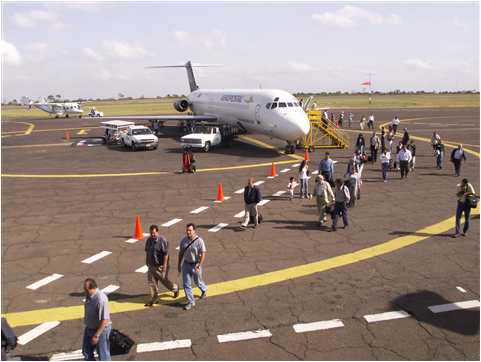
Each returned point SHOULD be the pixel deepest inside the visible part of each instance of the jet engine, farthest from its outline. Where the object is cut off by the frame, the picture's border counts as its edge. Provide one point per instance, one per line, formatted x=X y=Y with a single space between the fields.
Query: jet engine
x=181 y=105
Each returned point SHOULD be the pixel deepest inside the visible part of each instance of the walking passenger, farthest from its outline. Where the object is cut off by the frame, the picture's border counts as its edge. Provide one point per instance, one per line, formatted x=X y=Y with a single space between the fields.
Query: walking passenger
x=304 y=179
x=350 y=119
x=192 y=252
x=326 y=168
x=457 y=157
x=435 y=139
x=324 y=197
x=370 y=122
x=395 y=124
x=375 y=146
x=157 y=261
x=405 y=139
x=291 y=186
x=466 y=200
x=97 y=323
x=342 y=198
x=404 y=157
x=439 y=153
x=362 y=121
x=385 y=162
x=360 y=143
x=383 y=138
x=252 y=196
x=412 y=147
x=398 y=149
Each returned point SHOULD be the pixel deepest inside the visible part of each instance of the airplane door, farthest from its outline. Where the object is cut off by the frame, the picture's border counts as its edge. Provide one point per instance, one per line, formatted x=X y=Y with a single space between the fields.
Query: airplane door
x=258 y=114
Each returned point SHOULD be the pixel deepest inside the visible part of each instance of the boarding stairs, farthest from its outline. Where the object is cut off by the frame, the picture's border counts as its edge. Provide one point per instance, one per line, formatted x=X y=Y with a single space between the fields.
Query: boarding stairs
x=323 y=133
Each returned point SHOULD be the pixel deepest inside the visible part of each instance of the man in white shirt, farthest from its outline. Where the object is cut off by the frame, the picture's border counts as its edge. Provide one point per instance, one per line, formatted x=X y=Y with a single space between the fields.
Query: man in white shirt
x=395 y=124
x=370 y=122
x=457 y=157
x=404 y=157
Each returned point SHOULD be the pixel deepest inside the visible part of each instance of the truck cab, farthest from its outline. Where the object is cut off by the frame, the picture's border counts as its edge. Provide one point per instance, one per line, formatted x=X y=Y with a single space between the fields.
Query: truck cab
x=203 y=137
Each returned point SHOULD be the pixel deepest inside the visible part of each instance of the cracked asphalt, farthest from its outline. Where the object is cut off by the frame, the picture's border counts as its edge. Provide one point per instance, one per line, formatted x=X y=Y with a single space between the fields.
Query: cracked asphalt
x=50 y=225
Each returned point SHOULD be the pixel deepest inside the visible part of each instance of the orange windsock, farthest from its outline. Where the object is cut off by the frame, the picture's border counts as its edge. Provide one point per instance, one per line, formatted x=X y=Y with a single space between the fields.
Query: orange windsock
x=273 y=170
x=306 y=155
x=138 y=229
x=220 y=193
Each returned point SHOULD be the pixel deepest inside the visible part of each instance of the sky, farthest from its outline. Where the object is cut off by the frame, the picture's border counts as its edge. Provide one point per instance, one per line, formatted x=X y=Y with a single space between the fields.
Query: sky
x=98 y=49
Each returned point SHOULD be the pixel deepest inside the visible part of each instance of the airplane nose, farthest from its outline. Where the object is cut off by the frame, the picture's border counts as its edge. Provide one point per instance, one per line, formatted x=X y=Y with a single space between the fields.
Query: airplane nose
x=299 y=125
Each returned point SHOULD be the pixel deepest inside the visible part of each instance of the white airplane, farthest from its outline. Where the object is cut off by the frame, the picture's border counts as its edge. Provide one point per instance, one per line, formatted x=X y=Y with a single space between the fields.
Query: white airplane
x=59 y=109
x=271 y=112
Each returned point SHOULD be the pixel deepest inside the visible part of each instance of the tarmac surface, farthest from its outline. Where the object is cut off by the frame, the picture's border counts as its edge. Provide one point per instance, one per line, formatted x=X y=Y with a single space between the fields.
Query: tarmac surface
x=63 y=203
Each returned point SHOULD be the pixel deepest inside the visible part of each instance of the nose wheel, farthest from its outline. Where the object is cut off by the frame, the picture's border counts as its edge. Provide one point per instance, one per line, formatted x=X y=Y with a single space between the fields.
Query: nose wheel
x=290 y=148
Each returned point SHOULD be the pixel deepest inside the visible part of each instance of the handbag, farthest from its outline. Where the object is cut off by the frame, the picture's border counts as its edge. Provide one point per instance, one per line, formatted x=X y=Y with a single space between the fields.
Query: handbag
x=471 y=200
x=120 y=343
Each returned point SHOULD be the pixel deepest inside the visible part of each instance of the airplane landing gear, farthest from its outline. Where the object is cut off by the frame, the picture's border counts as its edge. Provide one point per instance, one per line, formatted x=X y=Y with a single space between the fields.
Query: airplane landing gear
x=290 y=148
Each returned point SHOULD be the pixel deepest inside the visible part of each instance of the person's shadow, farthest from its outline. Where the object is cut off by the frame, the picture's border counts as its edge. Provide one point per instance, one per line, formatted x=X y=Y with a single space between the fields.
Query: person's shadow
x=462 y=321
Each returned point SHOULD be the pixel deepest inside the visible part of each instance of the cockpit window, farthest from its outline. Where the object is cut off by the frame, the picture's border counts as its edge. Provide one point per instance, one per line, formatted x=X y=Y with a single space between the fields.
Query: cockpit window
x=276 y=99
x=282 y=104
x=289 y=104
x=268 y=105
x=274 y=105
x=296 y=104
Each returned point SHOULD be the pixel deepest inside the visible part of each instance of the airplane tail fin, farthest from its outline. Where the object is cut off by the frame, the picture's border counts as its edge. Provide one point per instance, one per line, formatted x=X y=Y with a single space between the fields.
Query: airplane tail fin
x=190 y=74
x=25 y=101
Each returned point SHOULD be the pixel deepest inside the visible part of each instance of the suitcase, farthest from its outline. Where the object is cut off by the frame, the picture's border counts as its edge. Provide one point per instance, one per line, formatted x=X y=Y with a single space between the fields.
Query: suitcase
x=120 y=343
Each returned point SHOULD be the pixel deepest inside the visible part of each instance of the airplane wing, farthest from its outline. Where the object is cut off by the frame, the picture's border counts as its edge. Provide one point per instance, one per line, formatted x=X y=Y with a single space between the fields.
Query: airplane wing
x=165 y=118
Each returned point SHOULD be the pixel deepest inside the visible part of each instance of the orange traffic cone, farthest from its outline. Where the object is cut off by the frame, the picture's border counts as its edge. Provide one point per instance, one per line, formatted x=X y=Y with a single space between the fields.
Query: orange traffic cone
x=67 y=136
x=220 y=193
x=306 y=154
x=138 y=229
x=273 y=170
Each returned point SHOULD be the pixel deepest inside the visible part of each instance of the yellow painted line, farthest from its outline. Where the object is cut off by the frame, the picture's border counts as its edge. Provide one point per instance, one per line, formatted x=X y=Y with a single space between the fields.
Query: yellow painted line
x=7 y=135
x=17 y=319
x=82 y=131
x=29 y=130
x=52 y=130
x=252 y=165
x=40 y=145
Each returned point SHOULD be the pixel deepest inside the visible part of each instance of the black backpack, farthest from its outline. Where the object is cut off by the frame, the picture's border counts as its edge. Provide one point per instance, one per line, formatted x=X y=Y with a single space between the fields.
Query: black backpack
x=471 y=200
x=120 y=343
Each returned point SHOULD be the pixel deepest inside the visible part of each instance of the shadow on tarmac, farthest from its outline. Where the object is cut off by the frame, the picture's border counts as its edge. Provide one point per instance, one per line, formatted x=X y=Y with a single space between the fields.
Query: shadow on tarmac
x=404 y=233
x=463 y=321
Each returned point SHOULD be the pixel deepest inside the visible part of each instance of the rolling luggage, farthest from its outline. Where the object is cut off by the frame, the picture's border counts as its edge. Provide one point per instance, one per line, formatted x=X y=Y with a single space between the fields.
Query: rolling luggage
x=120 y=343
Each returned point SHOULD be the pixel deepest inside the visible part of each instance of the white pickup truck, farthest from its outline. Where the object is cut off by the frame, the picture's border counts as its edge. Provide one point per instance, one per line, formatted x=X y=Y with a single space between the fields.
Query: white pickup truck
x=139 y=137
x=203 y=137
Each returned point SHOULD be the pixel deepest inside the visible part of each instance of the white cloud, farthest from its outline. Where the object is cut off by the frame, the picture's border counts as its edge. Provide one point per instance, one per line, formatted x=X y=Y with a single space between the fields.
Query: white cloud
x=33 y=18
x=125 y=50
x=300 y=67
x=38 y=46
x=9 y=53
x=350 y=16
x=418 y=63
x=106 y=74
x=210 y=40
x=92 y=54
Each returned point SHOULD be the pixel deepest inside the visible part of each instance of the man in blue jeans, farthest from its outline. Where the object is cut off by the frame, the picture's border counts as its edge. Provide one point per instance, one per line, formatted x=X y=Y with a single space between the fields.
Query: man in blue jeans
x=191 y=258
x=463 y=189
x=97 y=323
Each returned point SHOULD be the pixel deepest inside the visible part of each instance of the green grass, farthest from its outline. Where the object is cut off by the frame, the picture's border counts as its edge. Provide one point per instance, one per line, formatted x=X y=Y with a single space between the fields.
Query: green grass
x=164 y=106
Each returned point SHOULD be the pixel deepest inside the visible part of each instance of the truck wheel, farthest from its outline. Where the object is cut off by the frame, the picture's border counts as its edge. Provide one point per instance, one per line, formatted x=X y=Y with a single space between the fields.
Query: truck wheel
x=207 y=146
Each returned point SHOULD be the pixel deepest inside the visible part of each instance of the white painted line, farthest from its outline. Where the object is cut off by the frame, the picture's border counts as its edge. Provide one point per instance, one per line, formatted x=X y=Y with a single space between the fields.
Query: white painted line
x=177 y=248
x=163 y=346
x=454 y=306
x=263 y=202
x=96 y=257
x=462 y=290
x=242 y=336
x=69 y=356
x=279 y=193
x=199 y=210
x=372 y=318
x=271 y=177
x=240 y=214
x=37 y=331
x=257 y=183
x=131 y=241
x=171 y=222
x=110 y=289
x=315 y=172
x=225 y=198
x=146 y=234
x=296 y=165
x=217 y=227
x=44 y=281
x=285 y=170
x=317 y=326
x=240 y=191
x=142 y=269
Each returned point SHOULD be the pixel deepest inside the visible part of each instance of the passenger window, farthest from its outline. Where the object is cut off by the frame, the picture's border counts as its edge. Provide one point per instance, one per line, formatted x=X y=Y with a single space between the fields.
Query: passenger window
x=276 y=99
x=296 y=104
x=289 y=104
x=274 y=105
x=268 y=105
x=282 y=104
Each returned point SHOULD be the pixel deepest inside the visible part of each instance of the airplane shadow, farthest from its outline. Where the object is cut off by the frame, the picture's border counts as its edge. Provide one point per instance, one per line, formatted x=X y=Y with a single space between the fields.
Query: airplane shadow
x=463 y=321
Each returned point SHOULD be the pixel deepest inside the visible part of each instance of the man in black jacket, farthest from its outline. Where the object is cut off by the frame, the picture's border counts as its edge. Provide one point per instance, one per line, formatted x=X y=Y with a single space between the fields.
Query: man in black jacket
x=252 y=196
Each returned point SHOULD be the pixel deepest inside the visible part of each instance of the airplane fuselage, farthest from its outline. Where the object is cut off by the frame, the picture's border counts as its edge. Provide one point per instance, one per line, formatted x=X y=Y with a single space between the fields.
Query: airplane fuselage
x=272 y=112
x=60 y=109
